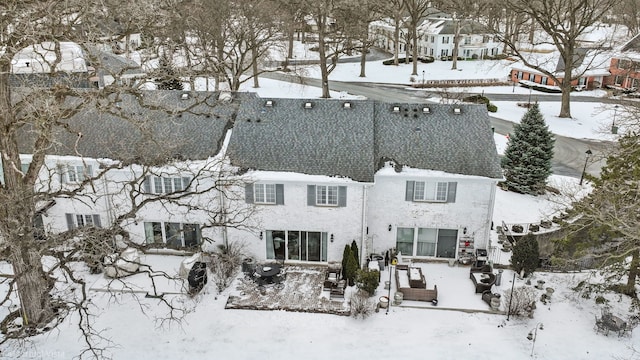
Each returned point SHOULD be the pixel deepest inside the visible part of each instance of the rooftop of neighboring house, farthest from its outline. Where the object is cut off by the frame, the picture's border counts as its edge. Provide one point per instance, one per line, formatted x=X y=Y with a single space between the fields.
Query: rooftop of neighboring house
x=588 y=62
x=41 y=57
x=447 y=26
x=342 y=138
x=630 y=49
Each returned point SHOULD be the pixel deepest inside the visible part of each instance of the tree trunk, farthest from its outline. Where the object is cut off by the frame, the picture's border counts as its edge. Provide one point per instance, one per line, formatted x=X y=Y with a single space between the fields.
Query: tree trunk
x=363 y=61
x=414 y=33
x=17 y=209
x=456 y=44
x=323 y=58
x=254 y=65
x=396 y=43
x=289 y=46
x=634 y=273
x=565 y=86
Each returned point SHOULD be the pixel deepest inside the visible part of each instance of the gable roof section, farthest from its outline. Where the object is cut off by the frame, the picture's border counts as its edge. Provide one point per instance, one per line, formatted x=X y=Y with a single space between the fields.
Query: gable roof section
x=438 y=140
x=148 y=129
x=632 y=45
x=325 y=139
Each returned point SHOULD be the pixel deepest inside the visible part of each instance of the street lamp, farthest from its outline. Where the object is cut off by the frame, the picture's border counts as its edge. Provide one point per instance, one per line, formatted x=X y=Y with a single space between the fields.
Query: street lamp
x=614 y=128
x=513 y=282
x=389 y=295
x=584 y=169
x=533 y=334
x=422 y=78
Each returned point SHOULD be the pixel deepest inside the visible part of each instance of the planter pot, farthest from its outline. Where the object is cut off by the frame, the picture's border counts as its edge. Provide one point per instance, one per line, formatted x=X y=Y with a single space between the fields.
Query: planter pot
x=384 y=302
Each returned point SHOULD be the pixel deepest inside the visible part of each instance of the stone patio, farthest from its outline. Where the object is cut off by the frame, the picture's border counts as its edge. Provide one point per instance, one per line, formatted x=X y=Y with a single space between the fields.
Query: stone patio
x=301 y=291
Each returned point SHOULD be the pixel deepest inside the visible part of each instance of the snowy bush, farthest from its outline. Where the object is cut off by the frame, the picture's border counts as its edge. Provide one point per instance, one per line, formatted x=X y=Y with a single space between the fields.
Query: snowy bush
x=361 y=305
x=522 y=303
x=368 y=280
x=225 y=263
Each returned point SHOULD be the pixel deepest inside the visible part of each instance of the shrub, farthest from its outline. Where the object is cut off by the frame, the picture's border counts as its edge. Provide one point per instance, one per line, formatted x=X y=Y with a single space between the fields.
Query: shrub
x=517 y=229
x=526 y=254
x=225 y=263
x=355 y=252
x=477 y=99
x=400 y=61
x=361 y=305
x=522 y=303
x=492 y=108
x=534 y=228
x=368 y=280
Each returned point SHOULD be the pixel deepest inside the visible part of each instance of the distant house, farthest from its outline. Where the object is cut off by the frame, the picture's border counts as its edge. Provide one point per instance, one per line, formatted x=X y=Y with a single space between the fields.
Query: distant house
x=318 y=174
x=625 y=67
x=435 y=37
x=79 y=66
x=592 y=68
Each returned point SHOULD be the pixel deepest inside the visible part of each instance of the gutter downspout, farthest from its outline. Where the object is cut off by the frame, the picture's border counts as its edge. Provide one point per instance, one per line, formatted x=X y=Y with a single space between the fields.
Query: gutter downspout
x=363 y=229
x=487 y=233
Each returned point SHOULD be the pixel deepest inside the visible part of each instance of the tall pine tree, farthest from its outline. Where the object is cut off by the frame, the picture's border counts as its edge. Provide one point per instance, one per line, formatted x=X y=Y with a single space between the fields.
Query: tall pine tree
x=527 y=160
x=167 y=78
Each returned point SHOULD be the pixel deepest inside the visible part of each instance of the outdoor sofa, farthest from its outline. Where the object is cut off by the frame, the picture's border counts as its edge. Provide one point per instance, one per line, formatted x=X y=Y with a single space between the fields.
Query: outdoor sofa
x=413 y=293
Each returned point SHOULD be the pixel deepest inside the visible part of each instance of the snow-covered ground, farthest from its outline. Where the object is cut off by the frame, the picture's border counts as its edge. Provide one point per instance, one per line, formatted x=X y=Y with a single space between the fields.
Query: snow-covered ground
x=413 y=331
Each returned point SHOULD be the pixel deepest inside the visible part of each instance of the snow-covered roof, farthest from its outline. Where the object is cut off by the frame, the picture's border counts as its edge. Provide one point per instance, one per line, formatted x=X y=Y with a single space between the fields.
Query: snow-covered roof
x=40 y=57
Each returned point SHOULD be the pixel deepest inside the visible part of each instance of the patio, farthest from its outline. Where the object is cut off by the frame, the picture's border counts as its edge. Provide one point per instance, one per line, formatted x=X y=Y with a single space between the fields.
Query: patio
x=302 y=290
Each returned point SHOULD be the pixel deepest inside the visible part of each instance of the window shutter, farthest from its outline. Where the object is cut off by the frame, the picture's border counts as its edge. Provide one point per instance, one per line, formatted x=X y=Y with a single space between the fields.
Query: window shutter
x=342 y=196
x=185 y=183
x=451 y=194
x=96 y=220
x=279 y=194
x=61 y=173
x=409 y=192
x=70 y=224
x=248 y=193
x=311 y=195
x=147 y=184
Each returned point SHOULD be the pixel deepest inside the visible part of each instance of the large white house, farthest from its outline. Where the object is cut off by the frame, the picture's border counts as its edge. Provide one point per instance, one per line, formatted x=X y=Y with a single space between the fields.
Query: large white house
x=436 y=37
x=292 y=179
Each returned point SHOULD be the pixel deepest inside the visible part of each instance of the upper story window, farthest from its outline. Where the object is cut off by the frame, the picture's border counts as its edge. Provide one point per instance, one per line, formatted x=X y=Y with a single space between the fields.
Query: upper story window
x=261 y=193
x=445 y=39
x=432 y=38
x=74 y=173
x=82 y=220
x=326 y=195
x=165 y=184
x=264 y=193
x=431 y=191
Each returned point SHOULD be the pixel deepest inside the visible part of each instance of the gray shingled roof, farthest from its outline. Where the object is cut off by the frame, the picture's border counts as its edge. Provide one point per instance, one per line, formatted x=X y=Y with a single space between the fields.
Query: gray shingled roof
x=331 y=140
x=438 y=140
x=326 y=139
x=161 y=128
x=632 y=45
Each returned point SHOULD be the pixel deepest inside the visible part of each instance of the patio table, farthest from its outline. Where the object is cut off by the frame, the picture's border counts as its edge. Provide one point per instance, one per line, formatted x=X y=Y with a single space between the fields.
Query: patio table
x=267 y=272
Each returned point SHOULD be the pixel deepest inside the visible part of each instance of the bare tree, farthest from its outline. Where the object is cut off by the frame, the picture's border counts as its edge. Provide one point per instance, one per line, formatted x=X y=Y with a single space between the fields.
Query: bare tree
x=564 y=22
x=51 y=118
x=416 y=9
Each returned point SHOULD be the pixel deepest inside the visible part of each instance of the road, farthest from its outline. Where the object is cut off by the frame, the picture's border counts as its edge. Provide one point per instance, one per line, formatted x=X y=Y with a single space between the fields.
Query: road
x=569 y=153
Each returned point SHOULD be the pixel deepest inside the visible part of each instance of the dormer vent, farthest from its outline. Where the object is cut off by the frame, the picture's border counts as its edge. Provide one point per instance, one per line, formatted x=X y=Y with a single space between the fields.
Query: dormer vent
x=426 y=110
x=268 y=103
x=396 y=109
x=346 y=105
x=308 y=105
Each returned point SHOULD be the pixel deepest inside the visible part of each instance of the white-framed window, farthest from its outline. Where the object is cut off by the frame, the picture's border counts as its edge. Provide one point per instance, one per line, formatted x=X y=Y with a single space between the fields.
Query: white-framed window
x=82 y=220
x=430 y=242
x=431 y=191
x=326 y=195
x=165 y=184
x=74 y=173
x=172 y=234
x=264 y=193
x=445 y=39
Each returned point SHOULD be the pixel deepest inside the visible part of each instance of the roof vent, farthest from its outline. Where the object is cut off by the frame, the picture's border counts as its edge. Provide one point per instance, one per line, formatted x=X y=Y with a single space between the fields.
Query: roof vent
x=225 y=96
x=308 y=105
x=426 y=110
x=347 y=105
x=457 y=111
x=184 y=96
x=396 y=109
x=268 y=103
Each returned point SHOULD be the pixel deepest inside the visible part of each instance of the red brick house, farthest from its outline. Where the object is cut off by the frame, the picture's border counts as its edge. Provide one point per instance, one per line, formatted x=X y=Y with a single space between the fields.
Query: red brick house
x=625 y=67
x=593 y=77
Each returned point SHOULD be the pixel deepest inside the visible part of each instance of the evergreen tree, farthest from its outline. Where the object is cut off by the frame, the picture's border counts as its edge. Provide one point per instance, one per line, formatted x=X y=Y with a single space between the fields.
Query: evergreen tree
x=526 y=254
x=167 y=79
x=346 y=254
x=355 y=252
x=610 y=212
x=527 y=159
